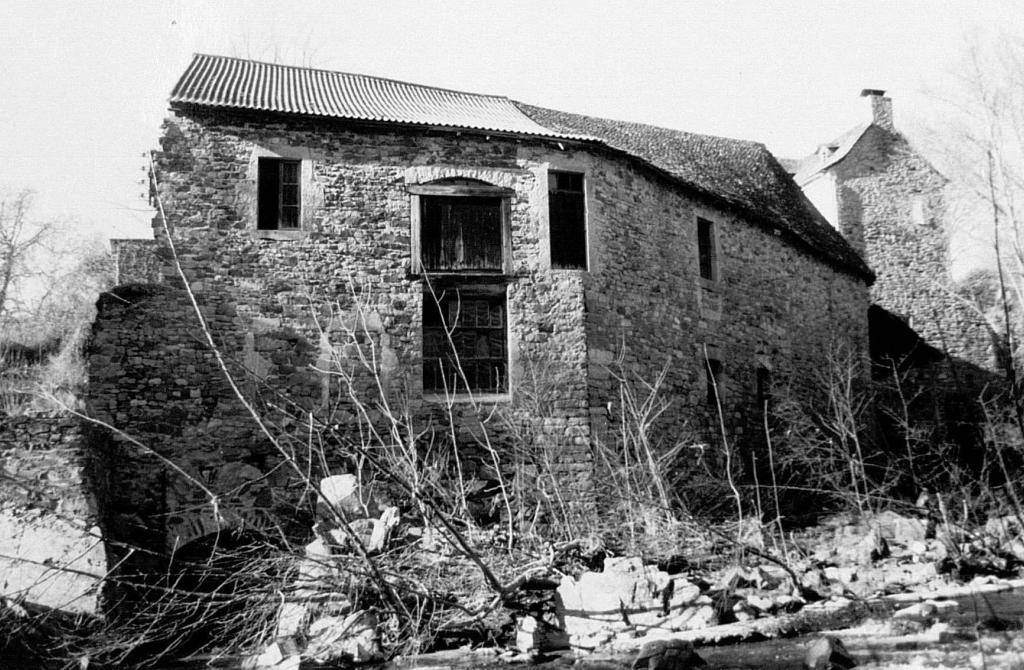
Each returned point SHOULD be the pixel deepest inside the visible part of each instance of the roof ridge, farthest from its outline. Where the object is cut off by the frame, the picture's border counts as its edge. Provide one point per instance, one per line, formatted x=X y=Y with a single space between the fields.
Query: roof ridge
x=196 y=54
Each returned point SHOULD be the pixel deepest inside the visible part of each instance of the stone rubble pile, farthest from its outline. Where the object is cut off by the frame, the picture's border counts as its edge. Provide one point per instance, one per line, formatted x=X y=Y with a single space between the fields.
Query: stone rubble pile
x=318 y=621
x=629 y=604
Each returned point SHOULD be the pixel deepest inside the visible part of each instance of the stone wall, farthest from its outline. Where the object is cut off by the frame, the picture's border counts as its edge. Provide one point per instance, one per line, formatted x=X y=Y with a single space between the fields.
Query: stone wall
x=770 y=306
x=893 y=199
x=324 y=324
x=51 y=550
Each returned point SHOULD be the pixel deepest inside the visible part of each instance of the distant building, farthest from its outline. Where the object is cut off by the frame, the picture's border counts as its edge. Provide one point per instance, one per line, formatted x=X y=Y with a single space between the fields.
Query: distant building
x=890 y=204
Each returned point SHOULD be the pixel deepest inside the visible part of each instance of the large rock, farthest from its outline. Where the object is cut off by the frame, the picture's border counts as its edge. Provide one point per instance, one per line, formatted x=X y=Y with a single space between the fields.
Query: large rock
x=828 y=653
x=48 y=560
x=1008 y=534
x=351 y=639
x=340 y=492
x=899 y=529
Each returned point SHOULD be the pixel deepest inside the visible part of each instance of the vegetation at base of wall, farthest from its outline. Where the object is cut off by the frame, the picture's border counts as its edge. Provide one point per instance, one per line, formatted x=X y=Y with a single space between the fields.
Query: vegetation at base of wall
x=468 y=543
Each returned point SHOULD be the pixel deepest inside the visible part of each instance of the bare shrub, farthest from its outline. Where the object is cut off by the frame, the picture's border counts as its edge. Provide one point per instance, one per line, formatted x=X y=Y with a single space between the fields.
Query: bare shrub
x=820 y=438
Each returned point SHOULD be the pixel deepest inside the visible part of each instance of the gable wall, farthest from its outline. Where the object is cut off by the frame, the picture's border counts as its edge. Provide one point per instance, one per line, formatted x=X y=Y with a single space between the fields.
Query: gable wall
x=892 y=199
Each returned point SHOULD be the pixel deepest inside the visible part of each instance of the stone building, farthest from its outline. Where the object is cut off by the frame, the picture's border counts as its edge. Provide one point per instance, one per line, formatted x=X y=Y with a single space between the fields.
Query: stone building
x=890 y=203
x=454 y=255
x=391 y=263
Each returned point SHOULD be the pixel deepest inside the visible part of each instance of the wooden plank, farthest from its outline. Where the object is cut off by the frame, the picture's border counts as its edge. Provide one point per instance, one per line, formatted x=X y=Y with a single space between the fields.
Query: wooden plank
x=468 y=190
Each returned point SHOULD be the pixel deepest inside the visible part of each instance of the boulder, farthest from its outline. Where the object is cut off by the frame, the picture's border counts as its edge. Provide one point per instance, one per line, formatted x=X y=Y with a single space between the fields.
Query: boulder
x=362 y=528
x=279 y=655
x=870 y=548
x=1007 y=532
x=927 y=610
x=899 y=529
x=342 y=493
x=828 y=653
x=351 y=639
x=527 y=635
x=382 y=528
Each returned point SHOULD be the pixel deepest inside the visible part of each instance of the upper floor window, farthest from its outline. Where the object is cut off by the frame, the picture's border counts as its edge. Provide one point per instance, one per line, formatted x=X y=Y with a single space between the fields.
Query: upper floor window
x=460 y=226
x=567 y=220
x=279 y=198
x=707 y=250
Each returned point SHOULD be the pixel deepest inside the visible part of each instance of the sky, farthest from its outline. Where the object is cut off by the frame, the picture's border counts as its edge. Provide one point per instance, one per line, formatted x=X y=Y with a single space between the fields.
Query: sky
x=84 y=85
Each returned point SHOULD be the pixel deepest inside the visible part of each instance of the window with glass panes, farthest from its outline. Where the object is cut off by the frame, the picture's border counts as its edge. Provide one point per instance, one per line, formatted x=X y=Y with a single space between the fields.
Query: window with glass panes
x=279 y=198
x=465 y=342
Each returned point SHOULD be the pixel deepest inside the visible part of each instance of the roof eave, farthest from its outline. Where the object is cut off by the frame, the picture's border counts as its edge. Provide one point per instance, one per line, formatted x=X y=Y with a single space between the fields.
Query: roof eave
x=188 y=105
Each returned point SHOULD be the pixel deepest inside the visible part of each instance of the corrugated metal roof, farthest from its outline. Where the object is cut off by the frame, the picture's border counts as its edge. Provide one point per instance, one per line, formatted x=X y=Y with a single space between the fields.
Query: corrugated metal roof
x=219 y=81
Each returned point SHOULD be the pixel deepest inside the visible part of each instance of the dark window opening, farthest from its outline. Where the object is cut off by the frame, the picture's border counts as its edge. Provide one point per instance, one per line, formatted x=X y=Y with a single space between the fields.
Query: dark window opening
x=706 y=249
x=465 y=346
x=713 y=368
x=461 y=233
x=567 y=221
x=279 y=198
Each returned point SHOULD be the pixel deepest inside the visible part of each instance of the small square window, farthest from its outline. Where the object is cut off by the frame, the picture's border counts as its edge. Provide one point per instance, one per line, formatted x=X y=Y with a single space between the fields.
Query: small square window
x=567 y=223
x=279 y=194
x=465 y=342
x=706 y=249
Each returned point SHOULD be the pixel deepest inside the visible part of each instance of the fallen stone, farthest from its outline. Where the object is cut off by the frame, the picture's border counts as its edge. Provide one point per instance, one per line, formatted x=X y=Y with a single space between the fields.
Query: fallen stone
x=743 y=611
x=279 y=656
x=918 y=612
x=526 y=635
x=351 y=639
x=341 y=493
x=872 y=547
x=317 y=550
x=1004 y=529
x=290 y=618
x=828 y=653
x=898 y=529
x=382 y=528
x=363 y=529
x=762 y=604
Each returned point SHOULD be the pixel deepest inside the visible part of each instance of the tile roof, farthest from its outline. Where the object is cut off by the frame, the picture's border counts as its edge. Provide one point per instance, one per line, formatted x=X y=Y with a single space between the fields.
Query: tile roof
x=219 y=81
x=738 y=174
x=741 y=174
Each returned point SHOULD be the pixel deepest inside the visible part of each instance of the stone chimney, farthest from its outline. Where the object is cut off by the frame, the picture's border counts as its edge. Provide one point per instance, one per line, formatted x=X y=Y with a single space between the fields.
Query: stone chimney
x=881 y=108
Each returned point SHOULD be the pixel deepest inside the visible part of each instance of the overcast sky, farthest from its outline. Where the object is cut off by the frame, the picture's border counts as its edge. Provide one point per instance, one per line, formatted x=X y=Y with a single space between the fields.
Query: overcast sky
x=83 y=85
